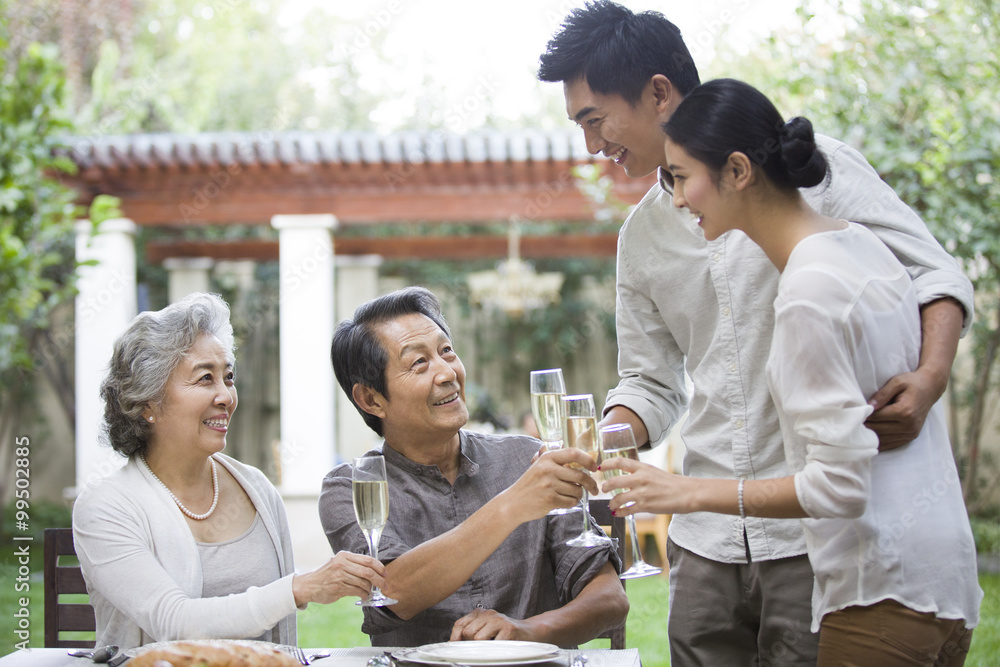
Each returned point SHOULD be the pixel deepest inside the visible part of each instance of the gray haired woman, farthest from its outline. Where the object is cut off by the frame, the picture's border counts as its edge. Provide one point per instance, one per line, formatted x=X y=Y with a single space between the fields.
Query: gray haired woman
x=184 y=542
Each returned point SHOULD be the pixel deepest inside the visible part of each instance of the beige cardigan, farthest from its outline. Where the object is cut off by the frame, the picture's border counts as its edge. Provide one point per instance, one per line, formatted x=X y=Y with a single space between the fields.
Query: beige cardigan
x=143 y=571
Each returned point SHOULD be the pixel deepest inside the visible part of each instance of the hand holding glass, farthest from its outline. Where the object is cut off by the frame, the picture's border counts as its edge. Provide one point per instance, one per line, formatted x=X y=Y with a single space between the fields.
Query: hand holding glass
x=580 y=432
x=371 y=508
x=547 y=391
x=617 y=441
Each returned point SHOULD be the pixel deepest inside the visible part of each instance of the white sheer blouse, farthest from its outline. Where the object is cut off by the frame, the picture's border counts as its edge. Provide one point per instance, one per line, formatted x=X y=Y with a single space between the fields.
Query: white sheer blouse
x=892 y=526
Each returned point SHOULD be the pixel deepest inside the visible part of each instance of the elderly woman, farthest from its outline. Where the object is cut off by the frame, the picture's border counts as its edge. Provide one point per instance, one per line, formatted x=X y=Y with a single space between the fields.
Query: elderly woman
x=184 y=542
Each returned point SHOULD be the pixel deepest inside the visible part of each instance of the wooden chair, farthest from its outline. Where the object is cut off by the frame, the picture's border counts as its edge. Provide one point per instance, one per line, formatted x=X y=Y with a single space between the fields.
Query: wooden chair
x=601 y=511
x=64 y=579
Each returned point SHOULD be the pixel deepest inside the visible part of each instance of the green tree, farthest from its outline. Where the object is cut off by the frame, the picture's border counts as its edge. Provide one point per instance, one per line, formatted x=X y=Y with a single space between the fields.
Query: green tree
x=915 y=85
x=37 y=217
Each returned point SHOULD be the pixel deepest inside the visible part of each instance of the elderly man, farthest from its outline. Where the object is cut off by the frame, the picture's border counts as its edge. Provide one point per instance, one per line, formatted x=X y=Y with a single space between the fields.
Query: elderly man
x=469 y=548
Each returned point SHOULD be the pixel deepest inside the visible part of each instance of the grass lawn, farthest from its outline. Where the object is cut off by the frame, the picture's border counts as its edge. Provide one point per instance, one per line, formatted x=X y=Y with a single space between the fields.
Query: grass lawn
x=339 y=624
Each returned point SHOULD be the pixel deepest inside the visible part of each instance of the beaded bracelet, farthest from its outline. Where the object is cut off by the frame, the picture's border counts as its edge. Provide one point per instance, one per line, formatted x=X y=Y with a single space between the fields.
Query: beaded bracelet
x=739 y=492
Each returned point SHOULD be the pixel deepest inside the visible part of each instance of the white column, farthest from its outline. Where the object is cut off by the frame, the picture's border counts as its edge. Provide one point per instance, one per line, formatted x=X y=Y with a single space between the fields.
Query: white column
x=187 y=275
x=357 y=282
x=306 y=329
x=105 y=305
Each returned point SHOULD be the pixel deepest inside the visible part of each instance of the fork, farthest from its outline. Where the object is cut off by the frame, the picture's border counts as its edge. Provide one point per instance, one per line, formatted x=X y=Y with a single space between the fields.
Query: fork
x=299 y=655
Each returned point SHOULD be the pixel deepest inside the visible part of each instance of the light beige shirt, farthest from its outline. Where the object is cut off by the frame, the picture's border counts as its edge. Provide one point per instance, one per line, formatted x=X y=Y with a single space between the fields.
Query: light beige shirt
x=687 y=304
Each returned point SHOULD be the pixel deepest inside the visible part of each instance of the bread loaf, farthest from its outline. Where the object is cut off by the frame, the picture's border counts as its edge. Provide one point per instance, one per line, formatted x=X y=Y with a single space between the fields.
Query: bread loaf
x=213 y=653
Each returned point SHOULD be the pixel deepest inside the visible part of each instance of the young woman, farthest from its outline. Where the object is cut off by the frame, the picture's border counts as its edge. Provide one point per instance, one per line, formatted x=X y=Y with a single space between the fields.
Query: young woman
x=888 y=536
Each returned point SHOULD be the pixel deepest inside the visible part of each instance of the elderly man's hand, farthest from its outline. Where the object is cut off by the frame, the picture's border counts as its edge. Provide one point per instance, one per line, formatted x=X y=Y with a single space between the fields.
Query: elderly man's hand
x=490 y=624
x=550 y=482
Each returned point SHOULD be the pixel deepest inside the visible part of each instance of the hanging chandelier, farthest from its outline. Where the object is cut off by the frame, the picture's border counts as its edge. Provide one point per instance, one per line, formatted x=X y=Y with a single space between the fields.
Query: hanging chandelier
x=514 y=287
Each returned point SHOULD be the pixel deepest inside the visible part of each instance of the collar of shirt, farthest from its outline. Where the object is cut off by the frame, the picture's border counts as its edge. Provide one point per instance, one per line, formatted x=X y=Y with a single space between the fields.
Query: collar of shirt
x=466 y=465
x=666 y=180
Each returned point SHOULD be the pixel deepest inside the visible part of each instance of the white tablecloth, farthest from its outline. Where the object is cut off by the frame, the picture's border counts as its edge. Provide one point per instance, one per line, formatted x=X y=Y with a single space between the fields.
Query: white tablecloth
x=342 y=657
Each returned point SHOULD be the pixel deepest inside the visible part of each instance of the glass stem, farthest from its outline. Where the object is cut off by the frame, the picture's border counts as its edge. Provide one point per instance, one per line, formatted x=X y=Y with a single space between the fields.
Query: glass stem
x=636 y=552
x=585 y=504
x=373 y=537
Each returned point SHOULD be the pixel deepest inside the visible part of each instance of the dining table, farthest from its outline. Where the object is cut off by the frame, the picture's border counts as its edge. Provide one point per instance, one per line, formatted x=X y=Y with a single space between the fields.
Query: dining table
x=341 y=657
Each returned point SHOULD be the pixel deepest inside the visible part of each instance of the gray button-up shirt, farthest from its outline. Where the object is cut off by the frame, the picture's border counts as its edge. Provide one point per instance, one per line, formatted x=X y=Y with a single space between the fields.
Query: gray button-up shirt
x=532 y=571
x=685 y=304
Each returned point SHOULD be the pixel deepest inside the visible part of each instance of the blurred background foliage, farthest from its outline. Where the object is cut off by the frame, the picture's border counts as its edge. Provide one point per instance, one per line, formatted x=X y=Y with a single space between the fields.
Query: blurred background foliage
x=37 y=238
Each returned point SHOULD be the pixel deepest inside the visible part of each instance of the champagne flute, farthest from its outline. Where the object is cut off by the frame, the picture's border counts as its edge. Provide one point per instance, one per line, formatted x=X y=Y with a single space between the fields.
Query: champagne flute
x=580 y=432
x=371 y=508
x=547 y=391
x=617 y=441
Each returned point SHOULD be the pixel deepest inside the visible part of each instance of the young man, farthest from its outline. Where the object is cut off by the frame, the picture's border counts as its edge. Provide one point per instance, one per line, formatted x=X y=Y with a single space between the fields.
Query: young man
x=740 y=592
x=469 y=549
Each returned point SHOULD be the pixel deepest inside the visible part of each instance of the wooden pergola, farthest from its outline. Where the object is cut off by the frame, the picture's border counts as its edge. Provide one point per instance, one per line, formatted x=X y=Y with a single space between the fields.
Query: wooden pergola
x=309 y=188
x=180 y=181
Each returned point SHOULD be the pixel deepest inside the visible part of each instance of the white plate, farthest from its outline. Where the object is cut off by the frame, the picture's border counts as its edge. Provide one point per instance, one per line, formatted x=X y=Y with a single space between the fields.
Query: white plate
x=494 y=652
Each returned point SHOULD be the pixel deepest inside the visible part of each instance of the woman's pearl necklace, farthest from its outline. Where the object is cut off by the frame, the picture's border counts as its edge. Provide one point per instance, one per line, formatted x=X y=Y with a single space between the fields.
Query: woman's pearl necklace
x=215 y=490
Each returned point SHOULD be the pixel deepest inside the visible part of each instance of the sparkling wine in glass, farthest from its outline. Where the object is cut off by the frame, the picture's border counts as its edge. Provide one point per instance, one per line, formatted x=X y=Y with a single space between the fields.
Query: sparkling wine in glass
x=580 y=432
x=371 y=509
x=617 y=441
x=547 y=391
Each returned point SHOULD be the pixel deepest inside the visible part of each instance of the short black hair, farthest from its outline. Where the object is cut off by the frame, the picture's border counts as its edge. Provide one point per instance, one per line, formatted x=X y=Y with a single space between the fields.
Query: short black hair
x=357 y=353
x=726 y=116
x=618 y=51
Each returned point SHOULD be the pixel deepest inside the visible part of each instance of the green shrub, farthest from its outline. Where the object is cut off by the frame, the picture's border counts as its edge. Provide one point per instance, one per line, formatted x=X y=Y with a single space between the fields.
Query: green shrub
x=986 y=532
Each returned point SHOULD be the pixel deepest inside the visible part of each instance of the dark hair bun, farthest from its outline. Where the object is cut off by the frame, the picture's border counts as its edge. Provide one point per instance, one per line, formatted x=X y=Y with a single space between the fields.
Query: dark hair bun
x=805 y=163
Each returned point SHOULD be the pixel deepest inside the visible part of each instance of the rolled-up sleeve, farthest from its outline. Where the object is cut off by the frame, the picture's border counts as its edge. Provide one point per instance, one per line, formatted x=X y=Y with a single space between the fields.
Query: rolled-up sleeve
x=813 y=380
x=575 y=567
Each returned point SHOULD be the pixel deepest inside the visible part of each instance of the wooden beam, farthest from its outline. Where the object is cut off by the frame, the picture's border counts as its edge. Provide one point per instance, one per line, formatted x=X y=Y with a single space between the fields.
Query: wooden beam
x=413 y=247
x=356 y=194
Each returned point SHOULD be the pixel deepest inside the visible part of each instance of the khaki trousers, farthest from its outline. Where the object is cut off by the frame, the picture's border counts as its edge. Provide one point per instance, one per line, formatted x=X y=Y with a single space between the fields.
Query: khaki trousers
x=888 y=634
x=755 y=614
